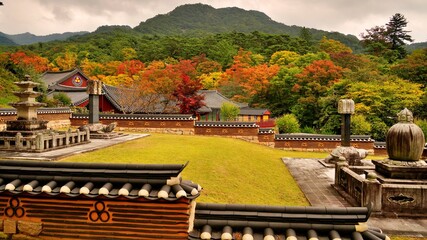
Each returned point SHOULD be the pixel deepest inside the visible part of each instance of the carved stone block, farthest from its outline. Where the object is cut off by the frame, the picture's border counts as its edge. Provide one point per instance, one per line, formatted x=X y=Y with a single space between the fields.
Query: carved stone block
x=30 y=228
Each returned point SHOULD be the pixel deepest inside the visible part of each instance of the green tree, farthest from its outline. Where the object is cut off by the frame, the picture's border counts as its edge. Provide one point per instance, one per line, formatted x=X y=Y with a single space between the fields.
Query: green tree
x=422 y=123
x=388 y=40
x=332 y=46
x=384 y=97
x=397 y=35
x=359 y=125
x=62 y=99
x=288 y=123
x=229 y=111
x=413 y=67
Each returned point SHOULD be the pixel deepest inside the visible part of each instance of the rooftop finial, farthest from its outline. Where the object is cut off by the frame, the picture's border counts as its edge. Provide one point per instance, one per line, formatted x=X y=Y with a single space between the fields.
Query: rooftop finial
x=405 y=116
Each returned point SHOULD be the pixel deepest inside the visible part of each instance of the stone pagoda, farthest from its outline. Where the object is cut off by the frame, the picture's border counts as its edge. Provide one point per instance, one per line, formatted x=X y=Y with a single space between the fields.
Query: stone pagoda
x=27 y=133
x=26 y=123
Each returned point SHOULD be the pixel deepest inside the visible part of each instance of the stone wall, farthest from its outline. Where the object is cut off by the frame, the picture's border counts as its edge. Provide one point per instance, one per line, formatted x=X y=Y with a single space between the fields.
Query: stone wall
x=156 y=123
x=248 y=130
x=319 y=142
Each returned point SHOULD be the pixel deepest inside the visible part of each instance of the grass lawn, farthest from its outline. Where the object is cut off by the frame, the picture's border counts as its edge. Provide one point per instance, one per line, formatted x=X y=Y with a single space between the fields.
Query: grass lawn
x=229 y=170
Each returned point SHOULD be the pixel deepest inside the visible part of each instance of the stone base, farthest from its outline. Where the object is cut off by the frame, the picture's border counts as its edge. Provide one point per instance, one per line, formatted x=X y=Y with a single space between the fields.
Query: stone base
x=26 y=125
x=110 y=135
x=350 y=154
x=402 y=169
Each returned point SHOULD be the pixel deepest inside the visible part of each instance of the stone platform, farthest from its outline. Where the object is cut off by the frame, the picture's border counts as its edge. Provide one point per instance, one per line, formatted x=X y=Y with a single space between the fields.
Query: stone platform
x=316 y=180
x=65 y=152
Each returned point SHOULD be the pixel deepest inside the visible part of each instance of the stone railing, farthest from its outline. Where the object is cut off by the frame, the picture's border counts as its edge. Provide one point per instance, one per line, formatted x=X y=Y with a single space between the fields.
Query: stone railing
x=43 y=141
x=360 y=187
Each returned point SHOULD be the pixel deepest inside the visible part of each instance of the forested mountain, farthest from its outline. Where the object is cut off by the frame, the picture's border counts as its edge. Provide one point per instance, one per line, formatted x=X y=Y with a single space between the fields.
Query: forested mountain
x=5 y=40
x=29 y=38
x=414 y=46
x=200 y=19
x=195 y=20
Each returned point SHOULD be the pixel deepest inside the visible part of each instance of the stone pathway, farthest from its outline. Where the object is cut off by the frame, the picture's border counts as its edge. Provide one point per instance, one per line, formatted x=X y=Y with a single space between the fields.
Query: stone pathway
x=315 y=181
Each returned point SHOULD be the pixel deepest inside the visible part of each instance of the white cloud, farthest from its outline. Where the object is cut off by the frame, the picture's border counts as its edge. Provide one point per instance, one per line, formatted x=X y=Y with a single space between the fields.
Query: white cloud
x=351 y=17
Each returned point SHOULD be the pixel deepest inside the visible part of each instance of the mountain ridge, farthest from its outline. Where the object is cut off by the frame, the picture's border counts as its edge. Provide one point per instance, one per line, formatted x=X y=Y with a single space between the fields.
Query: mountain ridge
x=197 y=20
x=29 y=38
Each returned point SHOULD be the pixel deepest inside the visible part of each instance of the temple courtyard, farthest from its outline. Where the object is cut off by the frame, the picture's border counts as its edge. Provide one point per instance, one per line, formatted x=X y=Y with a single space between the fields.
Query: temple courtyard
x=312 y=177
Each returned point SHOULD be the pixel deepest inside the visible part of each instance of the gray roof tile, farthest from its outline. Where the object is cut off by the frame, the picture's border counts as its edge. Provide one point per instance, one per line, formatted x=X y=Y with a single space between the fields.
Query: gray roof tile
x=260 y=221
x=111 y=179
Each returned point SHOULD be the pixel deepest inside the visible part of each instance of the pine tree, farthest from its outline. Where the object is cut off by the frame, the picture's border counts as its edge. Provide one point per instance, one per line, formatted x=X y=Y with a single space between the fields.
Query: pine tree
x=388 y=41
x=396 y=33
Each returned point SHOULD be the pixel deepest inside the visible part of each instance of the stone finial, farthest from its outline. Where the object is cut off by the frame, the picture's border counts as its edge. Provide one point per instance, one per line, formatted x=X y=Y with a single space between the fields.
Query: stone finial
x=405 y=116
x=94 y=87
x=346 y=106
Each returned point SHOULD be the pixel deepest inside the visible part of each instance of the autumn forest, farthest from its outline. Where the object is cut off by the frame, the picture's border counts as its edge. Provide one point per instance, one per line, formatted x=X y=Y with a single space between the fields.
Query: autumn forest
x=300 y=75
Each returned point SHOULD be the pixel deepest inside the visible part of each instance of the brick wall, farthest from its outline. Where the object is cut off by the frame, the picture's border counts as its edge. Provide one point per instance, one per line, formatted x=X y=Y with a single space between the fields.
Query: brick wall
x=245 y=129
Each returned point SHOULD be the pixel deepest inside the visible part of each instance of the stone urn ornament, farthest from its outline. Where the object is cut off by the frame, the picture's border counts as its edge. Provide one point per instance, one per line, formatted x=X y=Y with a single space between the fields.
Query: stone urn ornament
x=405 y=140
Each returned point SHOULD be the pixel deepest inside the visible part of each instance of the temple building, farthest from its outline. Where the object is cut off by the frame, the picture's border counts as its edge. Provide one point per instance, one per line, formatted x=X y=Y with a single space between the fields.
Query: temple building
x=74 y=82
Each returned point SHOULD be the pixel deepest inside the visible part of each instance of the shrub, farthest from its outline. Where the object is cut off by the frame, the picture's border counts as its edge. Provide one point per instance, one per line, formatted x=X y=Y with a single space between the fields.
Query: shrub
x=307 y=129
x=62 y=99
x=288 y=123
x=359 y=125
x=422 y=123
x=379 y=130
x=229 y=111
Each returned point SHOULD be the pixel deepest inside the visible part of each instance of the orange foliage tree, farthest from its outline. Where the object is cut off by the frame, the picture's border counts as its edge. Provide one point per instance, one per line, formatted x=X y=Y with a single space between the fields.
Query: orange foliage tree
x=24 y=60
x=312 y=84
x=245 y=80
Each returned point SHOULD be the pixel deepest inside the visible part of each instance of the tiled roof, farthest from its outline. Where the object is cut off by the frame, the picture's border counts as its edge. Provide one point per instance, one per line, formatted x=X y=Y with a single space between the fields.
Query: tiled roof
x=158 y=117
x=322 y=137
x=76 y=97
x=94 y=180
x=12 y=111
x=53 y=78
x=225 y=124
x=253 y=222
x=214 y=99
x=115 y=95
x=253 y=111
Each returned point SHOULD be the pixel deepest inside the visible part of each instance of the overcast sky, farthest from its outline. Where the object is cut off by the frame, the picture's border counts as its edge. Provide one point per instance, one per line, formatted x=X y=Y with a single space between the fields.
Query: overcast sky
x=42 y=17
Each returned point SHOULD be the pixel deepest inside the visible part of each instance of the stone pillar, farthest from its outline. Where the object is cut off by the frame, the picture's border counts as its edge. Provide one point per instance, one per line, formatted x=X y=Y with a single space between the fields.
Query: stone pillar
x=341 y=163
x=346 y=108
x=94 y=89
x=78 y=136
x=39 y=141
x=18 y=141
x=93 y=108
x=67 y=138
x=371 y=192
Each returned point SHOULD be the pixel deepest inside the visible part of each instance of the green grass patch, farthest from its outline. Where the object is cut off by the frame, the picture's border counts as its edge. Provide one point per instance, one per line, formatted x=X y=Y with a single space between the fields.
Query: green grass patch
x=229 y=170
